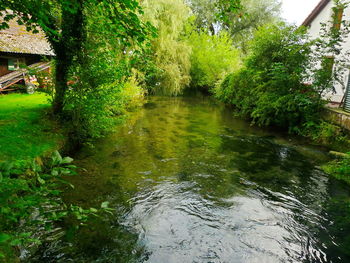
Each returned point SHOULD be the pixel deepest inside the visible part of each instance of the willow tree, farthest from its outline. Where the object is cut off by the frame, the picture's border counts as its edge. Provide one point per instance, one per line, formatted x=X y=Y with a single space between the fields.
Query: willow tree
x=255 y=13
x=210 y=14
x=171 y=53
x=240 y=18
x=63 y=22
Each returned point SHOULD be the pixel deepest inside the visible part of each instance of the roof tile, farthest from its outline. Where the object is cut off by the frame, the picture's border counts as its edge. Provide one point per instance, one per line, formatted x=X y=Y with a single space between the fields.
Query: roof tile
x=17 y=39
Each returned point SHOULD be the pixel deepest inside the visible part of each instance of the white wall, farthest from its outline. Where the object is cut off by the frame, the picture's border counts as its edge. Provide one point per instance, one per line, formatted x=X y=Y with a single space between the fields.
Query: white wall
x=314 y=31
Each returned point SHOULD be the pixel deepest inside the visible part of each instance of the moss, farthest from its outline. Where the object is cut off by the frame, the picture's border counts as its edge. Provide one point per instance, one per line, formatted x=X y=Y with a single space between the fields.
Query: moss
x=25 y=130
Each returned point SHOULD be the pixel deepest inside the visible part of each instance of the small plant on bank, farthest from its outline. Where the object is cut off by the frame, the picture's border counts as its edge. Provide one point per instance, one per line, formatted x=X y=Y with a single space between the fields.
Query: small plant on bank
x=30 y=202
x=340 y=169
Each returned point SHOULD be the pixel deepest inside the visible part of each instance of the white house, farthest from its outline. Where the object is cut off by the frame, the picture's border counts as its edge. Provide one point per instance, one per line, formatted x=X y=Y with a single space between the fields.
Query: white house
x=323 y=13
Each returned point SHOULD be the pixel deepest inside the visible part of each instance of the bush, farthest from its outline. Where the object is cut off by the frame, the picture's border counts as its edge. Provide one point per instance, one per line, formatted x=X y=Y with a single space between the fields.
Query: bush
x=340 y=169
x=93 y=112
x=212 y=58
x=324 y=132
x=133 y=94
x=270 y=87
x=102 y=86
x=30 y=202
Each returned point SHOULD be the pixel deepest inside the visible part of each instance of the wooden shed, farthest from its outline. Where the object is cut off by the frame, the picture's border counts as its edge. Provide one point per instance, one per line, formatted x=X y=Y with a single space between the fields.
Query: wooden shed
x=20 y=47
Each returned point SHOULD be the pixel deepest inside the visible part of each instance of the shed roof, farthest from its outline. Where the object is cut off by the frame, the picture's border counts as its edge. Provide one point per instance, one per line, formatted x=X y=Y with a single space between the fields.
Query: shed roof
x=317 y=10
x=16 y=39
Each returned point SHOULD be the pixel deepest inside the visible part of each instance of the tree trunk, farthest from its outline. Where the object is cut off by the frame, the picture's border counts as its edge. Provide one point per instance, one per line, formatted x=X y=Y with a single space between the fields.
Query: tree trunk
x=60 y=85
x=68 y=48
x=212 y=29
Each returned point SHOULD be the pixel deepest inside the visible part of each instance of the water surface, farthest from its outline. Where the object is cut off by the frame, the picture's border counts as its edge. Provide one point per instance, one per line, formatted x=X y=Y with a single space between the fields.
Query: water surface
x=188 y=182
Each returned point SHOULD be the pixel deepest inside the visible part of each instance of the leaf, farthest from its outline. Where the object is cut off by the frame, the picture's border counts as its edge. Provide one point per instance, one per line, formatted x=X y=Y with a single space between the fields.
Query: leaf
x=93 y=210
x=54 y=172
x=15 y=242
x=41 y=180
x=105 y=204
x=4 y=237
x=67 y=160
x=56 y=158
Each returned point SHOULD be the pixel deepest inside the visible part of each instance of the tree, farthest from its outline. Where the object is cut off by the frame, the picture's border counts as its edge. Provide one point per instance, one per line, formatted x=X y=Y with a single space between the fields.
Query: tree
x=211 y=13
x=63 y=22
x=270 y=88
x=256 y=13
x=241 y=21
x=212 y=58
x=171 y=52
x=203 y=10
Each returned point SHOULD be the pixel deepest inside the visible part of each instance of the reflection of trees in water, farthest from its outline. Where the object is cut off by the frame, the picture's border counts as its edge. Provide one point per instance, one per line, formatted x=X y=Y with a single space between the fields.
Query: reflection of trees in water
x=262 y=160
x=300 y=188
x=174 y=143
x=335 y=231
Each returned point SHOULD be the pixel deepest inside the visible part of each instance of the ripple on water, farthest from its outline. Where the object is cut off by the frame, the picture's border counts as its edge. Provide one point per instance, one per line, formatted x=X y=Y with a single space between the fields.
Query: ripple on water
x=190 y=183
x=177 y=224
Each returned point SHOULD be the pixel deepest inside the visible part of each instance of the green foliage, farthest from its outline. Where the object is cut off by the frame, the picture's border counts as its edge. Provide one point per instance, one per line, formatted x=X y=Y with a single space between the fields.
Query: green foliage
x=31 y=205
x=254 y=14
x=212 y=58
x=340 y=169
x=171 y=52
x=133 y=94
x=269 y=89
x=210 y=13
x=64 y=23
x=325 y=133
x=102 y=86
x=29 y=198
x=241 y=21
x=285 y=75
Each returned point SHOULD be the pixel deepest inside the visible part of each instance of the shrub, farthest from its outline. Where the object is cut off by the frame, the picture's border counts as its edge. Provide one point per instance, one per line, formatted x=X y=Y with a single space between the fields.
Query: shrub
x=133 y=94
x=270 y=87
x=93 y=112
x=30 y=202
x=340 y=169
x=212 y=58
x=324 y=132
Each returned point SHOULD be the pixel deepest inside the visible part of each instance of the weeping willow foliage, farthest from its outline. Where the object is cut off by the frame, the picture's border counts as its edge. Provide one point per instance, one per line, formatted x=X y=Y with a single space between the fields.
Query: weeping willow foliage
x=171 y=53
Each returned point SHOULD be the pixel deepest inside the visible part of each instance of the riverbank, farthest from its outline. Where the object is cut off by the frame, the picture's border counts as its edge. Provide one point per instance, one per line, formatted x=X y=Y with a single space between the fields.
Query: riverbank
x=26 y=131
x=32 y=175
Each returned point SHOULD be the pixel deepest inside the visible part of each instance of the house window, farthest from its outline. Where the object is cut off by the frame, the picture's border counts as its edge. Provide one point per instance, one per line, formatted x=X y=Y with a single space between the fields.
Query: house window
x=14 y=63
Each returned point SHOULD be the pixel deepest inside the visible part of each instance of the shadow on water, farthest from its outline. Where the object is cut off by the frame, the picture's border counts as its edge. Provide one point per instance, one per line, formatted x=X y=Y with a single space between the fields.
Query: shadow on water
x=190 y=183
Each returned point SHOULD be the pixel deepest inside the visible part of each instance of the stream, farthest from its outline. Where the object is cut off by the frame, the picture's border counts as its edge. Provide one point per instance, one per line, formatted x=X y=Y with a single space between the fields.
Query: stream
x=189 y=182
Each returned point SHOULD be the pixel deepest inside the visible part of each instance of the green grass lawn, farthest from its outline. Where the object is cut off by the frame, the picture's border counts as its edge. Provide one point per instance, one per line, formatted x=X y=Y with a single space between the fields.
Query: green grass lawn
x=25 y=131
